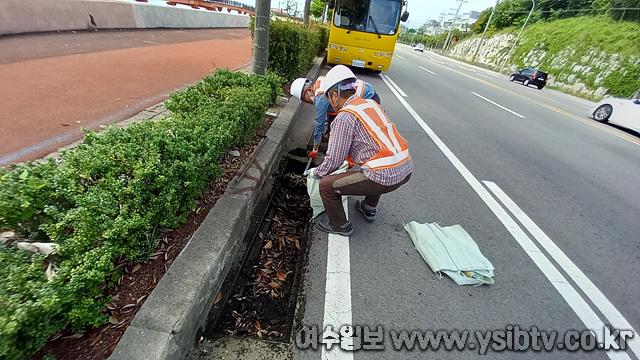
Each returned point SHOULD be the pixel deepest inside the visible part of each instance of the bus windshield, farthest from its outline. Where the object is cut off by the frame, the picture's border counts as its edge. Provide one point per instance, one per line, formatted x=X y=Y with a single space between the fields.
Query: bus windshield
x=373 y=16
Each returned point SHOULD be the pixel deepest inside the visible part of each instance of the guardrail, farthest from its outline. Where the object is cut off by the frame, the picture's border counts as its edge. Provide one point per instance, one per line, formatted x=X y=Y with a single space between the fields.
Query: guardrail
x=241 y=8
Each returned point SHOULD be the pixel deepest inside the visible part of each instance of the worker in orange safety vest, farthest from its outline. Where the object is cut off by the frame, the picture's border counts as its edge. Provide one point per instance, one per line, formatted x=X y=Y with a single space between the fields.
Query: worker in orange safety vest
x=363 y=134
x=312 y=93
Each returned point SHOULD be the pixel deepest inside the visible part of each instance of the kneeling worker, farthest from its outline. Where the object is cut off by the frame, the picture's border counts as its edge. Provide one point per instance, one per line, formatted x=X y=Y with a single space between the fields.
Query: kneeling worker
x=312 y=93
x=362 y=134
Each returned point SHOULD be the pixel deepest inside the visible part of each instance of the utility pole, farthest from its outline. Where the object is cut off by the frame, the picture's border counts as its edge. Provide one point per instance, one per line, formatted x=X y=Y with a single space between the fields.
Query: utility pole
x=533 y=6
x=325 y=12
x=486 y=26
x=455 y=19
x=307 y=6
x=261 y=37
x=442 y=15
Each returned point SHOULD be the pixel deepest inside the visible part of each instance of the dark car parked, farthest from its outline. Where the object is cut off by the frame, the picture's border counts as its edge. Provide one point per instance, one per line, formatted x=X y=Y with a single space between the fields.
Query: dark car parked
x=529 y=76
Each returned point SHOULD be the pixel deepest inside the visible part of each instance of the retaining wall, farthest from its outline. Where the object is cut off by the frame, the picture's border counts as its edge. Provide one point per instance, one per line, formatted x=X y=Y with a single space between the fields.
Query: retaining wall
x=20 y=16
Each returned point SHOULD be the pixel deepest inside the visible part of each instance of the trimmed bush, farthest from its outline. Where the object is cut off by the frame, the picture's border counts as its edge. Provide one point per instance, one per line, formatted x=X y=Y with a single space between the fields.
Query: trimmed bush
x=106 y=198
x=292 y=47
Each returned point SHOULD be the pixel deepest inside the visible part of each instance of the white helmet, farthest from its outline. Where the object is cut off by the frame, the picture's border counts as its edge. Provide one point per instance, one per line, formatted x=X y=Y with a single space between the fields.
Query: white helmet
x=335 y=76
x=297 y=86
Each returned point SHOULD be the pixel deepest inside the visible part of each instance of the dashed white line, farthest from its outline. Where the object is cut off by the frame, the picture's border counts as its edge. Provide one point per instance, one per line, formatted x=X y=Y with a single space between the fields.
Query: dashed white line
x=589 y=318
x=466 y=68
x=400 y=57
x=337 y=298
x=427 y=70
x=437 y=62
x=584 y=283
x=484 y=75
x=395 y=86
x=498 y=105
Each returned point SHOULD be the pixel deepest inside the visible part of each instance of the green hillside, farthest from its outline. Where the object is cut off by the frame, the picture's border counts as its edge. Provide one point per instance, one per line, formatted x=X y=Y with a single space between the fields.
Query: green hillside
x=587 y=55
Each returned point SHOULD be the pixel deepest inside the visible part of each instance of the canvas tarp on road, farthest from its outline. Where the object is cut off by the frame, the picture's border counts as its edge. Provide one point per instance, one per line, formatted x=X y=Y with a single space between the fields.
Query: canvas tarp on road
x=452 y=251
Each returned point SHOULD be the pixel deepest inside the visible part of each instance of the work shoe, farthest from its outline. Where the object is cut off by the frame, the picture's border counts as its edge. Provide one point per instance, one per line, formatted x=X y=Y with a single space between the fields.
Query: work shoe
x=369 y=215
x=324 y=225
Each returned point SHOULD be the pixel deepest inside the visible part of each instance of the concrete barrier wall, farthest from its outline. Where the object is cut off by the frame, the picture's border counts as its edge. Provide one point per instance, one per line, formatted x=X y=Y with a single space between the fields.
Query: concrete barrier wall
x=149 y=16
x=28 y=16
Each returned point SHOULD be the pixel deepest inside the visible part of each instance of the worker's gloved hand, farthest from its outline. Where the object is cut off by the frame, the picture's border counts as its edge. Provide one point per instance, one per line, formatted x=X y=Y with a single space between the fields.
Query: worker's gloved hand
x=314 y=152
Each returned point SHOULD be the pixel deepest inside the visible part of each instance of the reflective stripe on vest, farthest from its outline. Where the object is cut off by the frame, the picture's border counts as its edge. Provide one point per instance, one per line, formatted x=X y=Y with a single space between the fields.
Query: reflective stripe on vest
x=317 y=87
x=360 y=88
x=393 y=148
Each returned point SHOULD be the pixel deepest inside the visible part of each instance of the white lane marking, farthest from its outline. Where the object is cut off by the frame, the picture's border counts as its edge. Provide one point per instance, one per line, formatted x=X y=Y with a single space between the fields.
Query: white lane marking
x=584 y=283
x=484 y=75
x=498 y=105
x=466 y=68
x=437 y=62
x=395 y=86
x=586 y=314
x=400 y=57
x=427 y=70
x=337 y=298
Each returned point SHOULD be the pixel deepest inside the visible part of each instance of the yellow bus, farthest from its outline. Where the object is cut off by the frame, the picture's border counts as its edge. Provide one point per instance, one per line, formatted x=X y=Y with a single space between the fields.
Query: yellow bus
x=363 y=33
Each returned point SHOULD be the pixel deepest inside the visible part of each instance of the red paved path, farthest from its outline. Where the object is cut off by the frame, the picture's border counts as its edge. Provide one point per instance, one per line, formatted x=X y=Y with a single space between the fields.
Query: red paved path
x=48 y=94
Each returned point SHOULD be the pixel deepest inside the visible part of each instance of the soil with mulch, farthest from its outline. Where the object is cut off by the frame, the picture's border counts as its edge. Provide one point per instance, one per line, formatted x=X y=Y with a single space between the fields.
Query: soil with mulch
x=138 y=280
x=263 y=301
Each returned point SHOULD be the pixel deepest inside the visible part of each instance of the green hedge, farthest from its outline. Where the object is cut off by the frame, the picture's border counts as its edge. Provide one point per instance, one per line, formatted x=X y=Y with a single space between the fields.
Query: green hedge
x=292 y=47
x=106 y=198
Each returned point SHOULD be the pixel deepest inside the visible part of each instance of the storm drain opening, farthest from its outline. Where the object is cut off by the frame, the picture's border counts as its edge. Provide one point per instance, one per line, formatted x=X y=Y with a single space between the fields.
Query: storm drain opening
x=262 y=290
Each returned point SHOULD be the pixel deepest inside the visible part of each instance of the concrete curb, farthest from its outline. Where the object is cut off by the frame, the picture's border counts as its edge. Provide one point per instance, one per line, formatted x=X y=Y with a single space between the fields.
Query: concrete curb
x=166 y=325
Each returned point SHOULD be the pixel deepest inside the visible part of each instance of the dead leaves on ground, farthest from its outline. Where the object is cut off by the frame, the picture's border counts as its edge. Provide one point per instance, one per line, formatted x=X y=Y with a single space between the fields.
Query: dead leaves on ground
x=258 y=305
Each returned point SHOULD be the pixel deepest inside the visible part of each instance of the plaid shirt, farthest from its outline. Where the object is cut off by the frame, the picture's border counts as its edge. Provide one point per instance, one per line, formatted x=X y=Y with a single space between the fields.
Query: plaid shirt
x=349 y=137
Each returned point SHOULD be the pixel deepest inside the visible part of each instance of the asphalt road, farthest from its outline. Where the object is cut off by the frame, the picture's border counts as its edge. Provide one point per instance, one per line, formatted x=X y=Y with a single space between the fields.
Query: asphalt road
x=56 y=84
x=551 y=198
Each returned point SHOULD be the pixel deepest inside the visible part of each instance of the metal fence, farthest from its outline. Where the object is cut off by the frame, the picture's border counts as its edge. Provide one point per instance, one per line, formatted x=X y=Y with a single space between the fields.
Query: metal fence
x=233 y=3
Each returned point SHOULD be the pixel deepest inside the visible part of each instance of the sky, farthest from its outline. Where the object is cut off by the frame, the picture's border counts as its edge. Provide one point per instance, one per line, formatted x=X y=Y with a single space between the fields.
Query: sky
x=421 y=10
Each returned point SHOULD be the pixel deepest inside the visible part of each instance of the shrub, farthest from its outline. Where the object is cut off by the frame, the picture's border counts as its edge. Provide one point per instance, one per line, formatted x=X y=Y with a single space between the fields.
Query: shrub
x=292 y=47
x=623 y=82
x=323 y=32
x=106 y=198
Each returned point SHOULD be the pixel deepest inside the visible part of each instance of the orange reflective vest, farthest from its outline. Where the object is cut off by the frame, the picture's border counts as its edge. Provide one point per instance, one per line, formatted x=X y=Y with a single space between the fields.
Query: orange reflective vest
x=359 y=87
x=317 y=90
x=394 y=149
x=317 y=87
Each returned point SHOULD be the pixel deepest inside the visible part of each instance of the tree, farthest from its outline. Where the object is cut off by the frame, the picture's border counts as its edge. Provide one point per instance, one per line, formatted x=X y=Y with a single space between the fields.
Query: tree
x=629 y=15
x=511 y=13
x=317 y=8
x=478 y=26
x=261 y=38
x=307 y=5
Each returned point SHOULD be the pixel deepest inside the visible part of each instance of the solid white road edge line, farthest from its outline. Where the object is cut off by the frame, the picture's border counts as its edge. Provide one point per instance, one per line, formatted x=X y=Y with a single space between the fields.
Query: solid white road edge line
x=437 y=62
x=427 y=70
x=584 y=283
x=498 y=105
x=571 y=296
x=395 y=86
x=337 y=298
